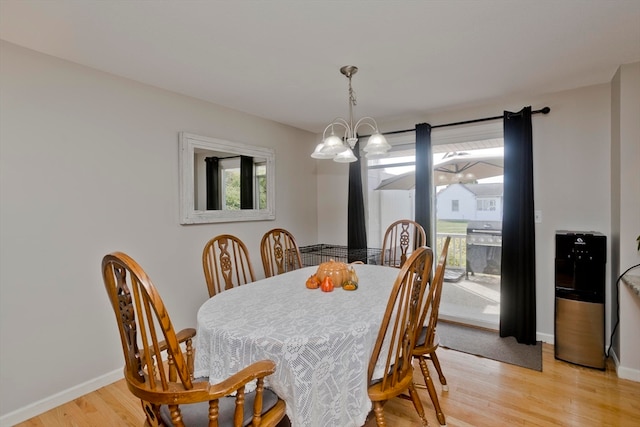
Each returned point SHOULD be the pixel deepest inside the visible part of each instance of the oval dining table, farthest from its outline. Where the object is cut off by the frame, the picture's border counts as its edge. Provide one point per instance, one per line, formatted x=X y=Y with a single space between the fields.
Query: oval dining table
x=320 y=341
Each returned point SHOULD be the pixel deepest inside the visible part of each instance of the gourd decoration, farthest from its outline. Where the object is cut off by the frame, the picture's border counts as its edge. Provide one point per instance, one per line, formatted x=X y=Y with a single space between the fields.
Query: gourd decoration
x=333 y=274
x=327 y=285
x=313 y=282
x=338 y=271
x=351 y=284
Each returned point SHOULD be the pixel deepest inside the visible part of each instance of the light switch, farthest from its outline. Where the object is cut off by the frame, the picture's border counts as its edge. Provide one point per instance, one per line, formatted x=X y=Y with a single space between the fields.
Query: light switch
x=537 y=215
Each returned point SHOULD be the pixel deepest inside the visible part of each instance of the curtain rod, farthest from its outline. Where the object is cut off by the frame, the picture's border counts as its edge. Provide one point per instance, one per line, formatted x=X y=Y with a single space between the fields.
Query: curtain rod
x=544 y=110
x=224 y=158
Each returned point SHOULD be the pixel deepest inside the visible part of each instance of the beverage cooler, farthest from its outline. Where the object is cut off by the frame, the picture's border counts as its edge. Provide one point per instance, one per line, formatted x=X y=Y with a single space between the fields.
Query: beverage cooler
x=580 y=297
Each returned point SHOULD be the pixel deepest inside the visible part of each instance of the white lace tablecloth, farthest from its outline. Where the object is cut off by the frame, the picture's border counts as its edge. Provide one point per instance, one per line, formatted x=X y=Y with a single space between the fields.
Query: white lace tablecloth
x=321 y=341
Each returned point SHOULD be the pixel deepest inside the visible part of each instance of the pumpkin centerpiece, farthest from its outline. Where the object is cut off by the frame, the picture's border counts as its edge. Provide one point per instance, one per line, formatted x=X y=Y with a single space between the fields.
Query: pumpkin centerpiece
x=338 y=271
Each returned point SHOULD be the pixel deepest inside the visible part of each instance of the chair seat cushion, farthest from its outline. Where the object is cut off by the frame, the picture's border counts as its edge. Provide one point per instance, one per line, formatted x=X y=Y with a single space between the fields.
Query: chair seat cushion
x=196 y=414
x=423 y=337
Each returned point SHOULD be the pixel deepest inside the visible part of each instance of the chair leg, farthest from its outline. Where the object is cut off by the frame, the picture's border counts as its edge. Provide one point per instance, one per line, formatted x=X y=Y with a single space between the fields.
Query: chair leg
x=415 y=398
x=436 y=363
x=379 y=413
x=432 y=390
x=152 y=413
x=176 y=416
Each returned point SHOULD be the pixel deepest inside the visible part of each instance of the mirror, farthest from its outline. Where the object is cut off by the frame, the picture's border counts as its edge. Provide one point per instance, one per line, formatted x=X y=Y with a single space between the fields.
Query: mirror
x=223 y=181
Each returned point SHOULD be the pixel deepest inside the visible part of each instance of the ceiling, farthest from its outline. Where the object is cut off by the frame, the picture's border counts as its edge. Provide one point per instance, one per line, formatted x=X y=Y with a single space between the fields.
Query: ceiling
x=280 y=59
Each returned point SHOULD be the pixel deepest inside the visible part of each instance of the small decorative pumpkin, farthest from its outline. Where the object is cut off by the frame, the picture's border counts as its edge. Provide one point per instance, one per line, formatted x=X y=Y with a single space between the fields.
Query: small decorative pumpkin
x=338 y=271
x=326 y=285
x=313 y=282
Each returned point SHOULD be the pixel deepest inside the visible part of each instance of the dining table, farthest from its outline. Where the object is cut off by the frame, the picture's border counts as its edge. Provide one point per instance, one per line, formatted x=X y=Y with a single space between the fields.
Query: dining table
x=320 y=341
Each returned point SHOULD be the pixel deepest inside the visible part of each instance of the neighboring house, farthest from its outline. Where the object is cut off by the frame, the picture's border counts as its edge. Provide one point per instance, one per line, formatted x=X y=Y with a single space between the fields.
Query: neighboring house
x=471 y=202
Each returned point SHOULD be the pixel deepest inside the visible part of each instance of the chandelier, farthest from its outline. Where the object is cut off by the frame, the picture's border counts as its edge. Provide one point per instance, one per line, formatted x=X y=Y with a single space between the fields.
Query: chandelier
x=334 y=147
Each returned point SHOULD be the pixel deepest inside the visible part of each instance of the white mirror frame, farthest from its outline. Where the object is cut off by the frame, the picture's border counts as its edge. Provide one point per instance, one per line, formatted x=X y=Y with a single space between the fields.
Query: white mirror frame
x=189 y=143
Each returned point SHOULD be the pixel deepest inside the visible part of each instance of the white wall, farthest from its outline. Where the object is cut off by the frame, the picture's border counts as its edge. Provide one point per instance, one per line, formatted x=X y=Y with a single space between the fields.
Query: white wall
x=625 y=207
x=89 y=165
x=332 y=193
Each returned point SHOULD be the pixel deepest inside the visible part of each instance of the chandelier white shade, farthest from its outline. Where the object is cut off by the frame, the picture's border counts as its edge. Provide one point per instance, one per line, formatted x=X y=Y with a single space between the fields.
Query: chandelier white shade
x=340 y=149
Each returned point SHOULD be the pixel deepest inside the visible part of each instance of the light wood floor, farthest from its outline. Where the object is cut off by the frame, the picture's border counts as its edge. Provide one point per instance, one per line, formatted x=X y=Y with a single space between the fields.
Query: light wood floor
x=482 y=392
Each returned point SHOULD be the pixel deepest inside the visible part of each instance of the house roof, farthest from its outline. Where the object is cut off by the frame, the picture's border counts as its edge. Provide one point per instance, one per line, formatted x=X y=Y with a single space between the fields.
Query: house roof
x=485 y=190
x=479 y=190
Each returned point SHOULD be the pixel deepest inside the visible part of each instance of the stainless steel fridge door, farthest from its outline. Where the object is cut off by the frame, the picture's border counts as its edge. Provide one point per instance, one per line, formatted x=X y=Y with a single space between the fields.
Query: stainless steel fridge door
x=579 y=334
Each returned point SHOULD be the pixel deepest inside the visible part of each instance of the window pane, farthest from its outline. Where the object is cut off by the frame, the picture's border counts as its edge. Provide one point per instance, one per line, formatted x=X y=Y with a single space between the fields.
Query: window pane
x=261 y=185
x=231 y=189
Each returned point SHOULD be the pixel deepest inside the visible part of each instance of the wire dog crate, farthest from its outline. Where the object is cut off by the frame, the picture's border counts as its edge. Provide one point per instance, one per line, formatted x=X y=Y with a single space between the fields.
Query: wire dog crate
x=317 y=254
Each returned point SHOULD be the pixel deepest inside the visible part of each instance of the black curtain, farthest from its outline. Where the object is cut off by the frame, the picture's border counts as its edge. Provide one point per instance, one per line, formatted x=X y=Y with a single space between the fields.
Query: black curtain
x=424 y=186
x=518 y=276
x=213 y=183
x=356 y=227
x=246 y=182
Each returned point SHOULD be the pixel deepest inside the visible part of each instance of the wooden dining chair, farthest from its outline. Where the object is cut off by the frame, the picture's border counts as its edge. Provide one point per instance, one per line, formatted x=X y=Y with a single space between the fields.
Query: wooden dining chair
x=400 y=239
x=279 y=252
x=399 y=329
x=159 y=362
x=427 y=341
x=226 y=264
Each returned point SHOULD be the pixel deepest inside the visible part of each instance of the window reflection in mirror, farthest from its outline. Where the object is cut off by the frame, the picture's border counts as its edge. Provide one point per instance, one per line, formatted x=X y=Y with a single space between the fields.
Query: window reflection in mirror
x=225 y=181
x=218 y=185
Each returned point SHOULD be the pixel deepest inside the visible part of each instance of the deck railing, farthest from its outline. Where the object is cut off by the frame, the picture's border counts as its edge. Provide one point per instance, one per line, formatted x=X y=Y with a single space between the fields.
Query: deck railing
x=457 y=255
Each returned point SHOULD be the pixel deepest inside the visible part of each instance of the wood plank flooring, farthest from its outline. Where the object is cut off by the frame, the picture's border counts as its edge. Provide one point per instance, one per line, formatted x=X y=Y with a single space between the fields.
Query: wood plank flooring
x=482 y=392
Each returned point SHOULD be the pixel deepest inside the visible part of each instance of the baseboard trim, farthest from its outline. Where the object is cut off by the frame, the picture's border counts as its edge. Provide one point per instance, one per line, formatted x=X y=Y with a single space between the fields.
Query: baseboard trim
x=37 y=408
x=546 y=338
x=622 y=371
x=628 y=373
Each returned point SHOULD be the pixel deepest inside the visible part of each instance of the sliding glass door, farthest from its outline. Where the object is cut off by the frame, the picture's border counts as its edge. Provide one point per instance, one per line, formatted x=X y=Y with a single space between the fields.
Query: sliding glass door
x=468 y=190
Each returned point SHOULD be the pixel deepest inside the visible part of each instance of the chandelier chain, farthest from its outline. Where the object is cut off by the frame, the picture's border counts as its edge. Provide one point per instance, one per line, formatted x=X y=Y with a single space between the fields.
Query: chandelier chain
x=352 y=102
x=352 y=94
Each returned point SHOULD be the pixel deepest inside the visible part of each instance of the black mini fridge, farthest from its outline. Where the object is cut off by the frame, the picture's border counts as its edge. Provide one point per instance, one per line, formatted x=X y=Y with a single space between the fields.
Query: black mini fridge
x=580 y=297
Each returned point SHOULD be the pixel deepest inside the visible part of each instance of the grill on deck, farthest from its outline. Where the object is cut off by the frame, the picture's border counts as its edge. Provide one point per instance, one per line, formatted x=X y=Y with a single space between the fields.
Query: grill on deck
x=484 y=247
